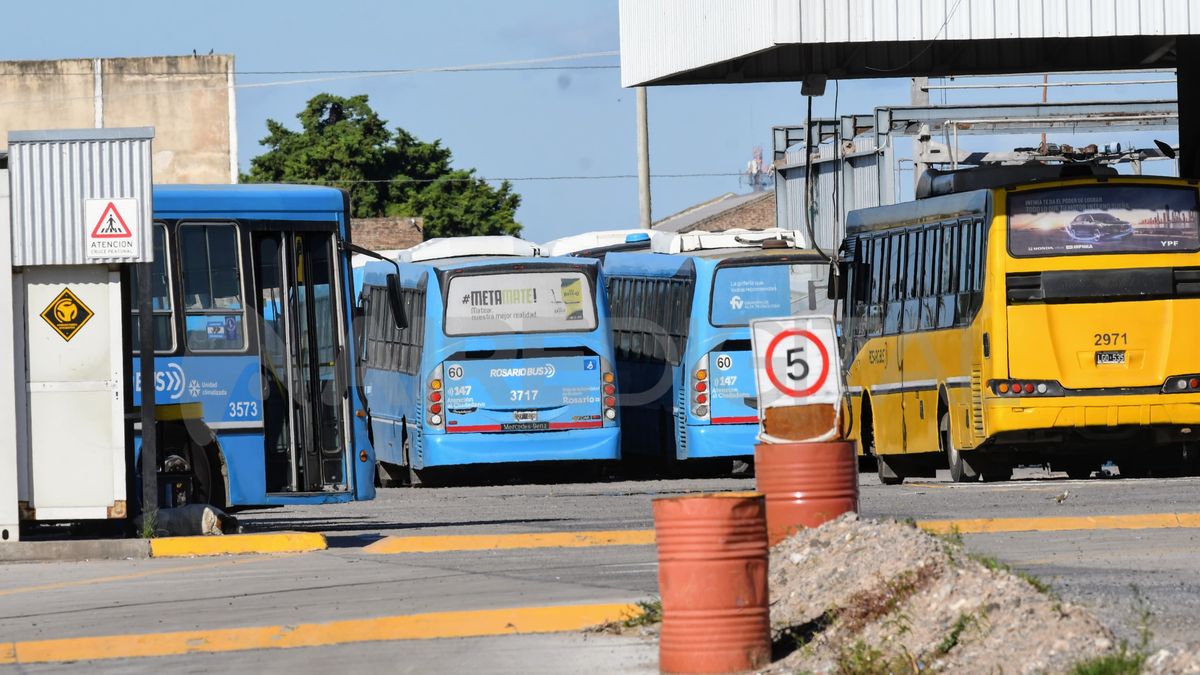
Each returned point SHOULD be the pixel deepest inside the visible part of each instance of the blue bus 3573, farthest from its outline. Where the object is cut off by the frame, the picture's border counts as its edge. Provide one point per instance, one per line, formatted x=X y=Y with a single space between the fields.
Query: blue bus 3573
x=256 y=397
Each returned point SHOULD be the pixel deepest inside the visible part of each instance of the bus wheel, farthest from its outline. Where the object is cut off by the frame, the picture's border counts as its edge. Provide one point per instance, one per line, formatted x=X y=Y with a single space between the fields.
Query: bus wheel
x=1191 y=459
x=961 y=471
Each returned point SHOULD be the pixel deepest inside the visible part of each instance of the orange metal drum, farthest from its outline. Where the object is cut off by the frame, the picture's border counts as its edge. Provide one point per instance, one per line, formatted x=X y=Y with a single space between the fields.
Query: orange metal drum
x=806 y=484
x=712 y=575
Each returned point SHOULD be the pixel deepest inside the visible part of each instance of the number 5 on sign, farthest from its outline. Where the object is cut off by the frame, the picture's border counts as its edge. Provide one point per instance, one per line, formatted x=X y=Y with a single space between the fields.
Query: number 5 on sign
x=796 y=366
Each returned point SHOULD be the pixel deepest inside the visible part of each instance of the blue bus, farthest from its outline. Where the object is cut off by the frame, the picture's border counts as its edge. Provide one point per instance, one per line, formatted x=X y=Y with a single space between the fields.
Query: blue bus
x=256 y=400
x=680 y=307
x=507 y=359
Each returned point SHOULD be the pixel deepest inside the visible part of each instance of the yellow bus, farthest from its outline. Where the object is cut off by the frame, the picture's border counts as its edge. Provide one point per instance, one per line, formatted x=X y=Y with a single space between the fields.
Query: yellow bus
x=1051 y=321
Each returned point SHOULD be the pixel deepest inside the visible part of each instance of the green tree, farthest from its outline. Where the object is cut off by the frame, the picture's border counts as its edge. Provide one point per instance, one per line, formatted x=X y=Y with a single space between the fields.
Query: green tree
x=344 y=143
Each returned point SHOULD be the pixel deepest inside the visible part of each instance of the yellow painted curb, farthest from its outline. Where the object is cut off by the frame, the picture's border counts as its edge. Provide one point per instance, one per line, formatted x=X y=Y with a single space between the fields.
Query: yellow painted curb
x=1141 y=521
x=274 y=542
x=488 y=542
x=473 y=623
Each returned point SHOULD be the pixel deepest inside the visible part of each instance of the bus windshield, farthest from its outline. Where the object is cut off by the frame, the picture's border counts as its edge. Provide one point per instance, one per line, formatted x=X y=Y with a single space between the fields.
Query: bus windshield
x=744 y=292
x=1107 y=218
x=520 y=302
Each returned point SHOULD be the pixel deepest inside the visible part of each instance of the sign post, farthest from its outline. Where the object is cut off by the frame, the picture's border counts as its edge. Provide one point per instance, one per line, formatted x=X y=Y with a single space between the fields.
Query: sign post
x=807 y=472
x=799 y=378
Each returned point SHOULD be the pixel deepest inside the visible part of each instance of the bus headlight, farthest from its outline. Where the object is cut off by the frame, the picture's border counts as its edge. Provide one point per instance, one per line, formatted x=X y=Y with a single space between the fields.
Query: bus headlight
x=435 y=420
x=610 y=414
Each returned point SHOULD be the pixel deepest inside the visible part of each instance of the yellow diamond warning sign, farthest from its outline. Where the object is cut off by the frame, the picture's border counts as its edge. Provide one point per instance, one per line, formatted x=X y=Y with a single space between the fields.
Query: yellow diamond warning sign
x=66 y=314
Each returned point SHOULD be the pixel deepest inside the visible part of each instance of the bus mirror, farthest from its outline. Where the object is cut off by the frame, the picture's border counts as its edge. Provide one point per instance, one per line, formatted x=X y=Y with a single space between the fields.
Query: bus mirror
x=393 y=294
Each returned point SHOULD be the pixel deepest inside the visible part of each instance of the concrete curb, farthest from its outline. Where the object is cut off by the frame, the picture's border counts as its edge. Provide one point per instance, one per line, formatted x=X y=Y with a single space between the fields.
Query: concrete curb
x=234 y=544
x=166 y=547
x=74 y=550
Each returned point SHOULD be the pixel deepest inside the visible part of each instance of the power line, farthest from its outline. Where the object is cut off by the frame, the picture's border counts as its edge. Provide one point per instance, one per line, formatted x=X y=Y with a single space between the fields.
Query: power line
x=516 y=179
x=349 y=71
x=472 y=67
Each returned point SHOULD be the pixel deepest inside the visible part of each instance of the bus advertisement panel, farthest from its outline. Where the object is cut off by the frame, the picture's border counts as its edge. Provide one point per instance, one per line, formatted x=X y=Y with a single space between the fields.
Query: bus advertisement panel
x=1103 y=219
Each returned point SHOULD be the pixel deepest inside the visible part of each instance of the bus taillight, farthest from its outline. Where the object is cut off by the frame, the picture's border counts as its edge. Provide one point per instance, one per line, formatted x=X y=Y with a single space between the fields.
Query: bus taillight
x=700 y=386
x=1027 y=388
x=435 y=398
x=1182 y=384
x=610 y=390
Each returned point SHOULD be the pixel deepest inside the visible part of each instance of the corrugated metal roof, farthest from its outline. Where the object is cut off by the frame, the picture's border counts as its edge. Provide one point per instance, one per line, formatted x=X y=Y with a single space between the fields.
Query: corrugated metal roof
x=55 y=173
x=702 y=41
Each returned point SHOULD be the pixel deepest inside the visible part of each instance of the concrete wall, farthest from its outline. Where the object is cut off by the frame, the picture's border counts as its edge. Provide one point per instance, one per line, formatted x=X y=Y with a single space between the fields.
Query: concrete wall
x=189 y=100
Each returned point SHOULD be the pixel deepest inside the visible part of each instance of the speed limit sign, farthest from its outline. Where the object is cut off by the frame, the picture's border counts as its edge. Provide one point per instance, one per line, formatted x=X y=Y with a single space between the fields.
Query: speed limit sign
x=796 y=362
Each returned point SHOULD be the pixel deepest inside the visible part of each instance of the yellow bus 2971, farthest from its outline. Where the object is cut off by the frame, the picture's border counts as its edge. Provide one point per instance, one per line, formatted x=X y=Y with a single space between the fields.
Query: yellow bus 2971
x=1048 y=322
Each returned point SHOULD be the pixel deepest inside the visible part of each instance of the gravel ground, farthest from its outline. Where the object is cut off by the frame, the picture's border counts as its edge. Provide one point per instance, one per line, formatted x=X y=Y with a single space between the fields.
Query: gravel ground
x=881 y=596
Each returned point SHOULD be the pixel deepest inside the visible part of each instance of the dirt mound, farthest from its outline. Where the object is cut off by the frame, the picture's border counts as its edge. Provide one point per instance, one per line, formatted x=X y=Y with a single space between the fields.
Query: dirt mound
x=861 y=596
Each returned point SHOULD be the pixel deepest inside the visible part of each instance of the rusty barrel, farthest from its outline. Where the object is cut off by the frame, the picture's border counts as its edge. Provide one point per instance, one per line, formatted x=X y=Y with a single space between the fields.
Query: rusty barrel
x=712 y=575
x=805 y=484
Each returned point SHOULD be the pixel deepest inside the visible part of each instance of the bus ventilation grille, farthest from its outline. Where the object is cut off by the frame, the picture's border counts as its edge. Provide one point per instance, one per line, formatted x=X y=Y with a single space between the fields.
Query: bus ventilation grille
x=977 y=401
x=417 y=445
x=680 y=419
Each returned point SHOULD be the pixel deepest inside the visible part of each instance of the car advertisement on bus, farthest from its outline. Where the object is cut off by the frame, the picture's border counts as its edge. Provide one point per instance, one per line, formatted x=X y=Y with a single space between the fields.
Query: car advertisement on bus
x=520 y=302
x=533 y=394
x=1104 y=218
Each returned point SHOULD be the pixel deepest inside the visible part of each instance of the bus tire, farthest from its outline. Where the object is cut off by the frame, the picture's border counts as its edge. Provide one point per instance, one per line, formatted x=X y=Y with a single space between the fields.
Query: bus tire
x=1190 y=456
x=961 y=471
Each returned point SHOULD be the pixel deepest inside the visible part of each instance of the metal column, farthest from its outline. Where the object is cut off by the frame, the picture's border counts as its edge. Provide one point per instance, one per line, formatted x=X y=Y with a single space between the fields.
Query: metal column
x=1187 y=51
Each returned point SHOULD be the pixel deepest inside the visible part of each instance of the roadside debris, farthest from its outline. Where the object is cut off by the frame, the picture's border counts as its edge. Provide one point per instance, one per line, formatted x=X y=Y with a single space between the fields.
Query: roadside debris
x=861 y=596
x=189 y=521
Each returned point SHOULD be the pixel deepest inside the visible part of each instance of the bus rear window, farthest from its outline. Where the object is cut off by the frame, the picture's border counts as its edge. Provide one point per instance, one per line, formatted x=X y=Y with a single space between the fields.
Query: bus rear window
x=745 y=292
x=1103 y=218
x=520 y=302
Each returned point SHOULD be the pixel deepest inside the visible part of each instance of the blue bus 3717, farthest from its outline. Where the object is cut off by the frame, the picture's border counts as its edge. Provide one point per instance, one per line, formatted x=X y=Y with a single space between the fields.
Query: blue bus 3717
x=256 y=397
x=681 y=306
x=508 y=358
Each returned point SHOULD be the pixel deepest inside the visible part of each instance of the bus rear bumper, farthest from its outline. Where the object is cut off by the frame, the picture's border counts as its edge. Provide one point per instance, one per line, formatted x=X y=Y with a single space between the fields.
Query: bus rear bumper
x=1175 y=415
x=542 y=446
x=719 y=440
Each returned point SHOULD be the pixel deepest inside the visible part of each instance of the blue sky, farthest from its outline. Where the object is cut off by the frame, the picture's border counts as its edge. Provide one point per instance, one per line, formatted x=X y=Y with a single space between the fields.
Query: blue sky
x=506 y=124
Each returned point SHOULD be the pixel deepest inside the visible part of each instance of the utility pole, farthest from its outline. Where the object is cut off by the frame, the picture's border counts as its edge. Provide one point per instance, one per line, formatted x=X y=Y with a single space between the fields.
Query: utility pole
x=920 y=97
x=643 y=150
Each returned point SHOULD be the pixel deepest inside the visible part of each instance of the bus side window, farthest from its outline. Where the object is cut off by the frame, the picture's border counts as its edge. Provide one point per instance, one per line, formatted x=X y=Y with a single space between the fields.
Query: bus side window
x=214 y=315
x=977 y=269
x=160 y=297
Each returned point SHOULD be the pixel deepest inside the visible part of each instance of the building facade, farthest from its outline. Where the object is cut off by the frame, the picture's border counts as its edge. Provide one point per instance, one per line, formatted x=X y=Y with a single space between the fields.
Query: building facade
x=189 y=100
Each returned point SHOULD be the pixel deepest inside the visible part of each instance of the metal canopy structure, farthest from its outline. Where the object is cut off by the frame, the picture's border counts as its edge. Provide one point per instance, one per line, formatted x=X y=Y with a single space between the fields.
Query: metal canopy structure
x=726 y=41
x=854 y=162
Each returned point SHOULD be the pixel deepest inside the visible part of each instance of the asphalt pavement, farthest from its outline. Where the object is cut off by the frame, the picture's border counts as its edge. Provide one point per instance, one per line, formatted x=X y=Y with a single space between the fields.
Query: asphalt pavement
x=1114 y=572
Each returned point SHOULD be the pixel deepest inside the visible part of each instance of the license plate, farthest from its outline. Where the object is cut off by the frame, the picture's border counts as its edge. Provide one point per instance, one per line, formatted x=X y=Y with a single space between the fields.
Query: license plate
x=1106 y=358
x=525 y=416
x=525 y=426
